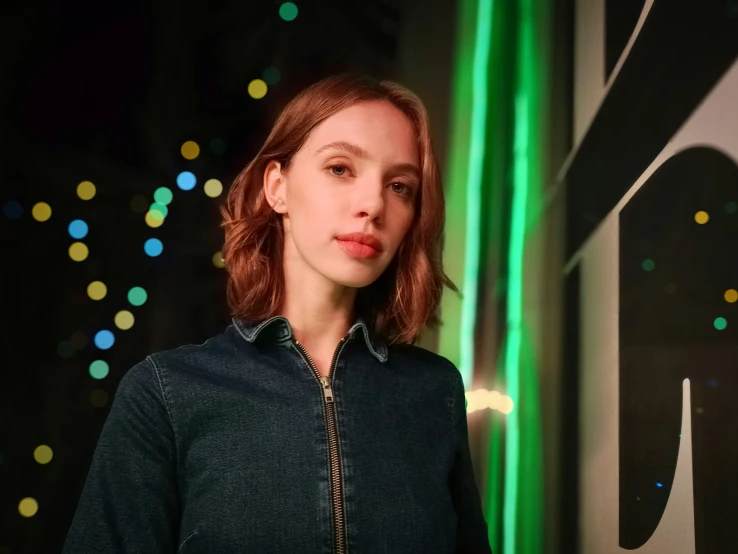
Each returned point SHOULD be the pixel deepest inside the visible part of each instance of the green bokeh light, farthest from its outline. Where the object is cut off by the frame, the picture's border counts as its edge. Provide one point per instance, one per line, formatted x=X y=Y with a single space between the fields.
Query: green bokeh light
x=271 y=75
x=648 y=264
x=720 y=323
x=218 y=146
x=288 y=11
x=99 y=369
x=158 y=211
x=163 y=195
x=137 y=296
x=731 y=207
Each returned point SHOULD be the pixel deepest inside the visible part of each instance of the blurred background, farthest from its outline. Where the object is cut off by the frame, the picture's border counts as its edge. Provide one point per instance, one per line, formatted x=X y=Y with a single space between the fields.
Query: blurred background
x=590 y=158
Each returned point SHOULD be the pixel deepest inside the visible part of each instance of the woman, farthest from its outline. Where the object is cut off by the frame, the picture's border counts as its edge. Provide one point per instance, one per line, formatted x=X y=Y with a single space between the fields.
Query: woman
x=311 y=424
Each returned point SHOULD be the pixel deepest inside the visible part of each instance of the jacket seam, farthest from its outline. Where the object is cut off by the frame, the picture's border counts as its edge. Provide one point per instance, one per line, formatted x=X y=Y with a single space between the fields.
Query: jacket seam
x=453 y=397
x=157 y=372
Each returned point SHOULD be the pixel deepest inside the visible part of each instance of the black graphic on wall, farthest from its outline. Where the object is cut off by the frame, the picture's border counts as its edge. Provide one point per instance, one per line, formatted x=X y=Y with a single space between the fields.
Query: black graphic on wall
x=682 y=50
x=679 y=319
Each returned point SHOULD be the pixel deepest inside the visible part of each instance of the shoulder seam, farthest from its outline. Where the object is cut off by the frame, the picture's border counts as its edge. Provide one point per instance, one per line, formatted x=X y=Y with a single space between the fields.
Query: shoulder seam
x=157 y=372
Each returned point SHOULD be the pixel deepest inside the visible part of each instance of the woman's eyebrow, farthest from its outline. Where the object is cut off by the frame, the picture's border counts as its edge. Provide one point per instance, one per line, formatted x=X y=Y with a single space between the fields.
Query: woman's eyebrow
x=354 y=149
x=359 y=152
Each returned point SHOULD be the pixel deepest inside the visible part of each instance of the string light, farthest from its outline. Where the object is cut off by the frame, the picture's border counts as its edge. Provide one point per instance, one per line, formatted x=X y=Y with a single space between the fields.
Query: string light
x=481 y=399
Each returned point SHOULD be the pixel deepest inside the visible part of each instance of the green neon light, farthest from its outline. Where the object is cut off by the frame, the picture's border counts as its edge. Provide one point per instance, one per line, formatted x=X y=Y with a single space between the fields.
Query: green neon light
x=521 y=500
x=474 y=186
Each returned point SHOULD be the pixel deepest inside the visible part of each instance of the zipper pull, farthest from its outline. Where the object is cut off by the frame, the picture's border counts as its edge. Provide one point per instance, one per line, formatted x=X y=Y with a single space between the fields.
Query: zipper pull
x=327 y=390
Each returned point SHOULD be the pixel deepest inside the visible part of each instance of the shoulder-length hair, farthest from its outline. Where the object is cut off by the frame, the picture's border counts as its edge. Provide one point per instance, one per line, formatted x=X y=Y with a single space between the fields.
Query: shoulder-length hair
x=405 y=297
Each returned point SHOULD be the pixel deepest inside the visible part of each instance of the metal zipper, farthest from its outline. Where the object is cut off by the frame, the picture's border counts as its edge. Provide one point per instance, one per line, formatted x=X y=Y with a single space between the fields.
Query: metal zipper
x=339 y=524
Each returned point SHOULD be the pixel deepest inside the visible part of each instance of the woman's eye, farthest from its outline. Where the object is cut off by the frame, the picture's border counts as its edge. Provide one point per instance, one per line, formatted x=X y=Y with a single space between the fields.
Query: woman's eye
x=340 y=173
x=402 y=189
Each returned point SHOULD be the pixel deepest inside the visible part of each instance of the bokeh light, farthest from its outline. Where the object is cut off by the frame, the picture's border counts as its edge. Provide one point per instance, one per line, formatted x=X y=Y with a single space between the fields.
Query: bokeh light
x=13 y=209
x=78 y=229
x=731 y=208
x=213 y=188
x=720 y=323
x=43 y=454
x=97 y=290
x=158 y=211
x=65 y=349
x=99 y=369
x=218 y=146
x=78 y=251
x=28 y=507
x=137 y=296
x=86 y=190
x=218 y=260
x=78 y=340
x=190 y=150
x=186 y=180
x=104 y=339
x=648 y=264
x=152 y=221
x=99 y=398
x=288 y=11
x=124 y=320
x=271 y=76
x=41 y=211
x=257 y=89
x=701 y=217
x=163 y=195
x=731 y=295
x=139 y=203
x=153 y=247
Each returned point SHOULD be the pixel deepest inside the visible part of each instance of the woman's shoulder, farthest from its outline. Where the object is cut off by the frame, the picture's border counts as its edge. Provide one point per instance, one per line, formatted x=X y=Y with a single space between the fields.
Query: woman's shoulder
x=422 y=358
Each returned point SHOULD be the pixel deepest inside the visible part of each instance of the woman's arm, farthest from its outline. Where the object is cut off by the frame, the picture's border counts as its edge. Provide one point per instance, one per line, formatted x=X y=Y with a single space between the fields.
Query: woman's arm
x=472 y=529
x=130 y=502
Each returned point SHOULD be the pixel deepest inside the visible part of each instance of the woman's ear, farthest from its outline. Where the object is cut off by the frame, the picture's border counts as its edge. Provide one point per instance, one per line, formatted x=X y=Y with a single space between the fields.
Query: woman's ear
x=275 y=187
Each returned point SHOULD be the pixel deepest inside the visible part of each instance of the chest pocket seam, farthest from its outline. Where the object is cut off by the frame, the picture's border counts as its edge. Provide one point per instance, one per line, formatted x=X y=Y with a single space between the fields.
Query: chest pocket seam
x=186 y=539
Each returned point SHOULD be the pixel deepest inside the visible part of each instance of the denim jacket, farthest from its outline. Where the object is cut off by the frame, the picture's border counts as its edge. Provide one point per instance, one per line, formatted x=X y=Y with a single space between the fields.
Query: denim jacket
x=238 y=445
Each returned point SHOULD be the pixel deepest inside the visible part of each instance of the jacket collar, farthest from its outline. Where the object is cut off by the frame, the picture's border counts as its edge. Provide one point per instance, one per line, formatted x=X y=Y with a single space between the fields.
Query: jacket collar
x=281 y=326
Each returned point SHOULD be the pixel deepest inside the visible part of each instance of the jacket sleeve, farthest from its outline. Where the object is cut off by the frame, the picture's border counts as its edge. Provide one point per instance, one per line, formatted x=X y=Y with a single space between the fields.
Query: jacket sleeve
x=130 y=501
x=472 y=536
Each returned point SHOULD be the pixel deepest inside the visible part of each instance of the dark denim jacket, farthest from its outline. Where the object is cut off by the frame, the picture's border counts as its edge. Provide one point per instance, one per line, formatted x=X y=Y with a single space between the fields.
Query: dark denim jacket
x=236 y=445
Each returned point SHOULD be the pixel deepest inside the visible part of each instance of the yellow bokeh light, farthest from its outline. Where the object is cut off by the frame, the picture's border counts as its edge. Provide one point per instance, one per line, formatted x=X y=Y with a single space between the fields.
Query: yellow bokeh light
x=257 y=89
x=99 y=398
x=43 y=454
x=218 y=260
x=701 y=217
x=124 y=320
x=41 y=211
x=213 y=188
x=28 y=507
x=97 y=290
x=78 y=251
x=190 y=150
x=86 y=190
x=154 y=219
x=482 y=399
x=139 y=204
x=731 y=295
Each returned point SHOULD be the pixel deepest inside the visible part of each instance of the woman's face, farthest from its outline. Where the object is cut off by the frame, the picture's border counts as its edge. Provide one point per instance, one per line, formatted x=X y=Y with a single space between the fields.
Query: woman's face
x=358 y=172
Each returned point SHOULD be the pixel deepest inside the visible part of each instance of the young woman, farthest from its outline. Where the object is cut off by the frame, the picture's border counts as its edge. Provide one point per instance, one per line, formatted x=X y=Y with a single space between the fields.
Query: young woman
x=311 y=424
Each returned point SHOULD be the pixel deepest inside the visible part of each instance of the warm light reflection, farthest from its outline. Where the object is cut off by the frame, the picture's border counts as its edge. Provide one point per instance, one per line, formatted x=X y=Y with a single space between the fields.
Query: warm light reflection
x=481 y=399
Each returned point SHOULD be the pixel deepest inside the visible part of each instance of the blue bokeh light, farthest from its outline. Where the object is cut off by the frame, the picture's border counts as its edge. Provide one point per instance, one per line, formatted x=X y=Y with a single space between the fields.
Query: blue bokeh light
x=78 y=229
x=104 y=339
x=186 y=180
x=13 y=209
x=153 y=247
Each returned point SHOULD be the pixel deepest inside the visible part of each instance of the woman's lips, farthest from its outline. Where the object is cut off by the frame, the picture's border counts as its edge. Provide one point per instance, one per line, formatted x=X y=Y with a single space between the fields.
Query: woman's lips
x=356 y=249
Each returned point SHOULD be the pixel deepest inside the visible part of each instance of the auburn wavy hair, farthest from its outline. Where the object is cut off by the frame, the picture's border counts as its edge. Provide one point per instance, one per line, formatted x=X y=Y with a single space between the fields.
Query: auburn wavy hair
x=405 y=297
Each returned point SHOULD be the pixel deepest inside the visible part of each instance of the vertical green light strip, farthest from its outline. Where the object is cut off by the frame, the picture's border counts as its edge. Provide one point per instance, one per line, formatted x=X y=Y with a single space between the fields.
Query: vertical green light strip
x=474 y=187
x=456 y=179
x=525 y=170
